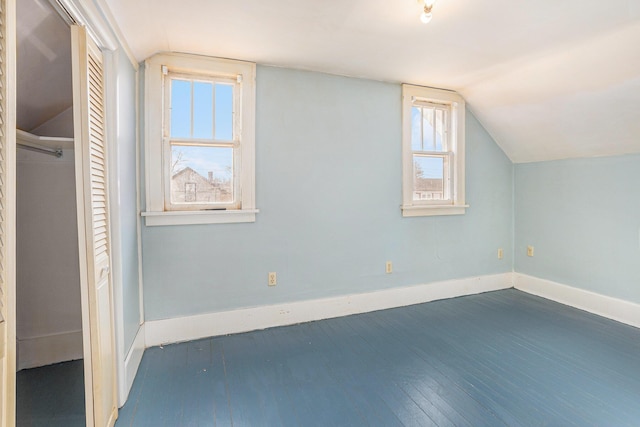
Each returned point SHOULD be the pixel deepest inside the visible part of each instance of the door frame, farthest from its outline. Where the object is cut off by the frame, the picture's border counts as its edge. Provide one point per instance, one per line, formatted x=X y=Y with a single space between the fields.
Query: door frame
x=94 y=15
x=85 y=14
x=8 y=362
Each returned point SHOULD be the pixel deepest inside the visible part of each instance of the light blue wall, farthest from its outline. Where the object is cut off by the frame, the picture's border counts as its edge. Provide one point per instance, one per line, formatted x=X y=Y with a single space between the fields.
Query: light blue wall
x=126 y=158
x=583 y=218
x=329 y=192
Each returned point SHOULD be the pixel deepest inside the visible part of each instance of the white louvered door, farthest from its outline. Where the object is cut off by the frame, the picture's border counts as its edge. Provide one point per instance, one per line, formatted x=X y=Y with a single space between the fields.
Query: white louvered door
x=93 y=230
x=7 y=213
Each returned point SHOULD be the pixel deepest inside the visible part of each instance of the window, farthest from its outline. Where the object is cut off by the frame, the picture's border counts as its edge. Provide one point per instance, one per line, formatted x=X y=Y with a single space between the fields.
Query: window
x=199 y=140
x=433 y=152
x=199 y=126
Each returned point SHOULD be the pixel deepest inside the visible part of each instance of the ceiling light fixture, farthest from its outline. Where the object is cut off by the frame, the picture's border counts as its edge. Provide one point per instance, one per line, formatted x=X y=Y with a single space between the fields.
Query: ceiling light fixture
x=426 y=14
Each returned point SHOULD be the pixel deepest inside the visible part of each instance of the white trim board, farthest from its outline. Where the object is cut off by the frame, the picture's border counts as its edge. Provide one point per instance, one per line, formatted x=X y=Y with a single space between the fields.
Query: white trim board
x=612 y=308
x=131 y=365
x=49 y=349
x=180 y=329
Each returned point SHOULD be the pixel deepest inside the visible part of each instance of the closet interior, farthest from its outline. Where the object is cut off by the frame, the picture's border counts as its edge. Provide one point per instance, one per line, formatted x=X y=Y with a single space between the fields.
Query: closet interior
x=49 y=316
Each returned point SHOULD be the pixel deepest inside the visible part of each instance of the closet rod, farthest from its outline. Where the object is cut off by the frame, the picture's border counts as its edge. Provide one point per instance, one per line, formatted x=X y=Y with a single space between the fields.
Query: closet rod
x=50 y=151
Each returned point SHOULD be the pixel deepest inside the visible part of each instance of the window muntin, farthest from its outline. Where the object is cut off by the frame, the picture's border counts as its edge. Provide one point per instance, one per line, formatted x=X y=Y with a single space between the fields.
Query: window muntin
x=433 y=152
x=201 y=108
x=203 y=142
x=429 y=126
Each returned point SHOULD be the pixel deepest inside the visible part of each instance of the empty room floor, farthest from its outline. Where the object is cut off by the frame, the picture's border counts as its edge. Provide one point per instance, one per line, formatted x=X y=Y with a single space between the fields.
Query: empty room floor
x=500 y=358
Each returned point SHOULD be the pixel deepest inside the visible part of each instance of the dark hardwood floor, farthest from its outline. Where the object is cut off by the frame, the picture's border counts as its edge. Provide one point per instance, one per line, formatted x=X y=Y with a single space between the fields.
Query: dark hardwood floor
x=501 y=358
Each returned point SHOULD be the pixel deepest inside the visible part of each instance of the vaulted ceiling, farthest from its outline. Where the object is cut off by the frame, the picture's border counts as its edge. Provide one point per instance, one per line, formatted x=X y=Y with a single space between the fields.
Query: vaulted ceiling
x=548 y=79
x=44 y=65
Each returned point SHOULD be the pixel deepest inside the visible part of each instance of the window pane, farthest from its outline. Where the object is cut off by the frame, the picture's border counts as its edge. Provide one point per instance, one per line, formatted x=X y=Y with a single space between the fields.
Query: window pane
x=180 y=108
x=428 y=178
x=201 y=174
x=440 y=137
x=428 y=143
x=224 y=112
x=203 y=110
x=416 y=129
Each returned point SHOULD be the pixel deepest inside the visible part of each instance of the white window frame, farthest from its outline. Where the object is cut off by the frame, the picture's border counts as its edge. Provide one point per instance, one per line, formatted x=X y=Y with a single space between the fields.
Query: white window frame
x=159 y=211
x=420 y=95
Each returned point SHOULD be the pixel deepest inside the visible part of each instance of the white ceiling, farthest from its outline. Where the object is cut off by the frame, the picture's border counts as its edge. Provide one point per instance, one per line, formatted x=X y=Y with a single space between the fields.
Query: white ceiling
x=44 y=64
x=548 y=79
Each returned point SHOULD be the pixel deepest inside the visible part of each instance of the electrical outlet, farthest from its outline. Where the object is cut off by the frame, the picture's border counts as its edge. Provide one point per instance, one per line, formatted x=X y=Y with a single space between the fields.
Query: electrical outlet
x=389 y=267
x=273 y=278
x=529 y=250
x=500 y=253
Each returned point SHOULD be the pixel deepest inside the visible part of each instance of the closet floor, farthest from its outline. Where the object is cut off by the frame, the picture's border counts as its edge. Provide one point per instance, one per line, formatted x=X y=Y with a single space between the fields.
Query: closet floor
x=51 y=396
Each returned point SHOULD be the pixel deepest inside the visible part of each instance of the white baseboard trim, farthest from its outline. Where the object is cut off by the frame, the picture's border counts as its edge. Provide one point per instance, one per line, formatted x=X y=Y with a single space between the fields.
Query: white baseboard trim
x=131 y=365
x=602 y=305
x=180 y=329
x=49 y=349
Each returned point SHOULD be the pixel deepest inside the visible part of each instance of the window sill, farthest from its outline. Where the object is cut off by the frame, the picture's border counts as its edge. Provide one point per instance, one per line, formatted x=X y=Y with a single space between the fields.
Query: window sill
x=152 y=219
x=433 y=210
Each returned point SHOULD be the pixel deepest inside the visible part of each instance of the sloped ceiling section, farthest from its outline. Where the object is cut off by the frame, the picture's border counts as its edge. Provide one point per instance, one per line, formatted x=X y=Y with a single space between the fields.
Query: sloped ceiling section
x=549 y=79
x=44 y=88
x=576 y=101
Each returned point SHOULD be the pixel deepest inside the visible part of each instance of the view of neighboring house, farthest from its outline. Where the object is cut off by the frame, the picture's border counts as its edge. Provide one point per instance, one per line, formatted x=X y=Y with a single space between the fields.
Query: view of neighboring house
x=188 y=186
x=428 y=189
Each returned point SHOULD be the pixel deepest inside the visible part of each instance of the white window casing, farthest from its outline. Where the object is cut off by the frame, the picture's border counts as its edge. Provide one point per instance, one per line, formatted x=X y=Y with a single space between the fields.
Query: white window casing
x=159 y=69
x=450 y=107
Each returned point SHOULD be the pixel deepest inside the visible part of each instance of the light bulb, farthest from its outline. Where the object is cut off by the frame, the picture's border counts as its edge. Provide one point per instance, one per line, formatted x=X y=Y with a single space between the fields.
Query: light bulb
x=429 y=3
x=425 y=17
